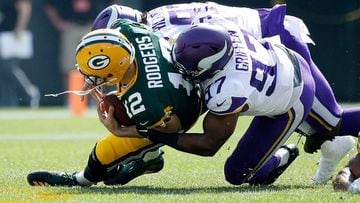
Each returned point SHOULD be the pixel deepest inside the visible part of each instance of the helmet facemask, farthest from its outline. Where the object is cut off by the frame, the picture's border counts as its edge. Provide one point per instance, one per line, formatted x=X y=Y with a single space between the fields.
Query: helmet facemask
x=91 y=79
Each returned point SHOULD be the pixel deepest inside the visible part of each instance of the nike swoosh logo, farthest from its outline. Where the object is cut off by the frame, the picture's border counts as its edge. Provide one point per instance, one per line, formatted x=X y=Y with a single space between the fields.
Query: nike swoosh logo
x=144 y=123
x=218 y=105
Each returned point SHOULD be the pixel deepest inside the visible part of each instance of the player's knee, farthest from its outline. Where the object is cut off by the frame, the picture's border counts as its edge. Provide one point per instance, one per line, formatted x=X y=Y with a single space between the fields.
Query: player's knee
x=232 y=174
x=105 y=152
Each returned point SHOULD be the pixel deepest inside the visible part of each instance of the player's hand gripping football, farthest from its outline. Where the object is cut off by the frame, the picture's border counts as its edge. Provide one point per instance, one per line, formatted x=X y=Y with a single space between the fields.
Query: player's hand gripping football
x=112 y=115
x=108 y=120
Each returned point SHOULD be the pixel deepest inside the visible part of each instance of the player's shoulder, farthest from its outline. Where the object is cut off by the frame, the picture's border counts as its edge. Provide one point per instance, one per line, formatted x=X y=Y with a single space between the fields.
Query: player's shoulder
x=224 y=94
x=226 y=104
x=126 y=22
x=129 y=27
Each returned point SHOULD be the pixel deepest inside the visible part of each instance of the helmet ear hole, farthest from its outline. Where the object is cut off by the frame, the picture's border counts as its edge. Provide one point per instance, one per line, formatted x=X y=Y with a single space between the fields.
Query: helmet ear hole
x=110 y=75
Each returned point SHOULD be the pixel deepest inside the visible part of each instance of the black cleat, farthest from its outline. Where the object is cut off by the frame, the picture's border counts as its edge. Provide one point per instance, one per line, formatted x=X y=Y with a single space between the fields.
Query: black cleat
x=135 y=168
x=314 y=142
x=275 y=174
x=46 y=178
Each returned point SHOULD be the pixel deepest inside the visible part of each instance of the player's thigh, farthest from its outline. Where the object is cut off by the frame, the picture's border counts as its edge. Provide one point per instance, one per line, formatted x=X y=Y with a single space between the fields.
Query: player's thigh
x=112 y=149
x=325 y=112
x=261 y=140
x=265 y=135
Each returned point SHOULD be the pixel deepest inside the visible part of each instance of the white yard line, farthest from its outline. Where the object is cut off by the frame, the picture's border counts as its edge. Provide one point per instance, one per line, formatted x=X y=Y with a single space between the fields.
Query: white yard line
x=24 y=114
x=51 y=137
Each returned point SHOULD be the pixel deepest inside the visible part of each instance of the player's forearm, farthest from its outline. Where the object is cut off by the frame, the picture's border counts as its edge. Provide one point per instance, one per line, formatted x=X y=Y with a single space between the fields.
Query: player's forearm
x=194 y=143
x=198 y=144
x=217 y=129
x=23 y=8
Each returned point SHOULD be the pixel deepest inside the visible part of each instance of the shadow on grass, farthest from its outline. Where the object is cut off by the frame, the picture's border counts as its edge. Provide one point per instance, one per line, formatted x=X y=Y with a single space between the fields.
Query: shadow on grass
x=183 y=191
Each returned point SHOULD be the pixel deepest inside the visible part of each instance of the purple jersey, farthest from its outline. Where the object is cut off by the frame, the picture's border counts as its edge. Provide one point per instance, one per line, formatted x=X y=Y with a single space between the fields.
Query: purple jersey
x=169 y=21
x=259 y=75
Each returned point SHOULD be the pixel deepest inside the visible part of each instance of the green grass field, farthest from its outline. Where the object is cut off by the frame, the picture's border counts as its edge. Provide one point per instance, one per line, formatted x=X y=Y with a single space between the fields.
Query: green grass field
x=54 y=140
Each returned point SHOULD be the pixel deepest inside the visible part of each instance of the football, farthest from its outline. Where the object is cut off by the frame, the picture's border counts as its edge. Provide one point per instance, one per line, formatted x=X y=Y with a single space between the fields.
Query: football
x=120 y=111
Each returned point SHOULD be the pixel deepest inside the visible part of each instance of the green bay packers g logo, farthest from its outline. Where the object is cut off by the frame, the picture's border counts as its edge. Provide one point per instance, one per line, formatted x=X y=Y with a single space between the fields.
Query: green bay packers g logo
x=98 y=62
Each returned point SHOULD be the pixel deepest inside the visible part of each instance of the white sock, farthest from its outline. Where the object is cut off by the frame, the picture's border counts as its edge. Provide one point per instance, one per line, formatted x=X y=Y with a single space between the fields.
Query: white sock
x=284 y=156
x=79 y=176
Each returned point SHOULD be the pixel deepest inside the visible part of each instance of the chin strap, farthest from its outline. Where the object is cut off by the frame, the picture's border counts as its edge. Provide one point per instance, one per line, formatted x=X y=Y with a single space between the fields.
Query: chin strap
x=80 y=92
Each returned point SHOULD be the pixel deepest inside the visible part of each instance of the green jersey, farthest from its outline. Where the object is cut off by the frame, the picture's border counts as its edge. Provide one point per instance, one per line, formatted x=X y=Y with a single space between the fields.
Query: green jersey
x=159 y=89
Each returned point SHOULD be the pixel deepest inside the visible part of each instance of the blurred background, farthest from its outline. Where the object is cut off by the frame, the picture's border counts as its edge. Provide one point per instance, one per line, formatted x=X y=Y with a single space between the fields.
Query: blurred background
x=334 y=26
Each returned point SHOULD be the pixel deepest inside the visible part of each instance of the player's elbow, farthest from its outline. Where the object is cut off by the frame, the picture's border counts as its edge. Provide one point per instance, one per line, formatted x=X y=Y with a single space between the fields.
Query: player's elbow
x=208 y=152
x=211 y=148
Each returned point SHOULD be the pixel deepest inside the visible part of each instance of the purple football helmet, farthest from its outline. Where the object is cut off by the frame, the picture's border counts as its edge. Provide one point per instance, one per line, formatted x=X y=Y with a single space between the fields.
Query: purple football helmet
x=111 y=13
x=201 y=51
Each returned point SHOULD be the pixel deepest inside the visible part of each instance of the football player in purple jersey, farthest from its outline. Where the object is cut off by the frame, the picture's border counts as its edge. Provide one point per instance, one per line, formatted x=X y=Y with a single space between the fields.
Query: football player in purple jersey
x=170 y=20
x=240 y=75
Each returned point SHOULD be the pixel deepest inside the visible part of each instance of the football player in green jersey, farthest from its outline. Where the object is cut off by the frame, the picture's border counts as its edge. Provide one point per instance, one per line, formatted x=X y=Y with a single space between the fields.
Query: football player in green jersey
x=155 y=95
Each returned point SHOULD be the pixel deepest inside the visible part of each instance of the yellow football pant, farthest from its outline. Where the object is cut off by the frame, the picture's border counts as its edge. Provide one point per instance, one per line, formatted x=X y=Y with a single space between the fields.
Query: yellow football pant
x=111 y=148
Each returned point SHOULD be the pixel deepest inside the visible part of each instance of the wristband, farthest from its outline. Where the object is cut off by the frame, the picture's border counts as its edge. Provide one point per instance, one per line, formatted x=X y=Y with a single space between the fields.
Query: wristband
x=169 y=139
